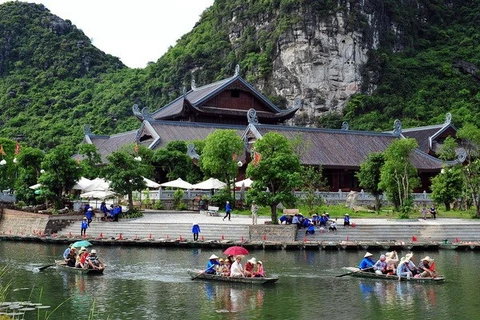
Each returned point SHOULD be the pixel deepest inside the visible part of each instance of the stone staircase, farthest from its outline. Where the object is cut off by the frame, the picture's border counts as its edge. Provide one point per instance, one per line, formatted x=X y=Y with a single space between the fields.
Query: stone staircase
x=138 y=230
x=398 y=232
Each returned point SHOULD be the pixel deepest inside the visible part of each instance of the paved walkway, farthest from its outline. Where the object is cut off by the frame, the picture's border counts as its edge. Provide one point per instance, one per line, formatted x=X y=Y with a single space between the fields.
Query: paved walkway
x=151 y=216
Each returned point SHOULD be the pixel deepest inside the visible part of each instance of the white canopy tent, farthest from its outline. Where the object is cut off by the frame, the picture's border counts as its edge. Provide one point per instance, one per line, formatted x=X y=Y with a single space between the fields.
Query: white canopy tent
x=98 y=184
x=209 y=184
x=82 y=183
x=178 y=183
x=150 y=183
x=247 y=183
x=98 y=194
x=35 y=186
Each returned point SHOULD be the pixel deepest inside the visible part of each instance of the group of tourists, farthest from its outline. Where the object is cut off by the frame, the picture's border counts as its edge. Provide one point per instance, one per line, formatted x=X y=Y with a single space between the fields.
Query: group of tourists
x=321 y=222
x=82 y=258
x=389 y=264
x=231 y=266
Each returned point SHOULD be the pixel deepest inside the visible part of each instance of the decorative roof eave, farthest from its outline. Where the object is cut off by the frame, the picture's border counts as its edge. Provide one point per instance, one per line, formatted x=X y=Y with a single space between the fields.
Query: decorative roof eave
x=446 y=125
x=231 y=80
x=147 y=126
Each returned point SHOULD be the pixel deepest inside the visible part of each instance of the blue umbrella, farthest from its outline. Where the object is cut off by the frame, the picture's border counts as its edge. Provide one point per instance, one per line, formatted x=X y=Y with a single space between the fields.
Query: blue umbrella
x=81 y=243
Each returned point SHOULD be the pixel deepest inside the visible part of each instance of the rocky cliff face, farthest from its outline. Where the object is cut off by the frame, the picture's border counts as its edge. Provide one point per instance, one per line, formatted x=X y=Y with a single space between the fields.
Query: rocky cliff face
x=320 y=60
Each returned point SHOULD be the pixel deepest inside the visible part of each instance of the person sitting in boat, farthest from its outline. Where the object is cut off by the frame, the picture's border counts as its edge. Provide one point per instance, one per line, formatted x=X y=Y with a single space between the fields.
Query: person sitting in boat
x=94 y=262
x=228 y=266
x=221 y=268
x=82 y=258
x=236 y=271
x=380 y=266
x=406 y=268
x=260 y=272
x=367 y=263
x=346 y=220
x=71 y=258
x=212 y=264
x=310 y=229
x=248 y=272
x=67 y=251
x=426 y=267
x=392 y=261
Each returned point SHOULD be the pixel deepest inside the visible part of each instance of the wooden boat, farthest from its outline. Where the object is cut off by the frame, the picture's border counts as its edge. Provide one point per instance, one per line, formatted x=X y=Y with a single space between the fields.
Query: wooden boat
x=198 y=275
x=355 y=272
x=61 y=265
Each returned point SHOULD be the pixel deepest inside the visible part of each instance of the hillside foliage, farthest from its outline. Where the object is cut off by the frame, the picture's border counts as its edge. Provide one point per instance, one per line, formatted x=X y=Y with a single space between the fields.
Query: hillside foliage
x=53 y=80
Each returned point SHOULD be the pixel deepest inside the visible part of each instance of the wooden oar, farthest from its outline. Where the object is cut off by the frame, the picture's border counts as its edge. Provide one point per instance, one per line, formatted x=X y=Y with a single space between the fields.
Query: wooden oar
x=44 y=267
x=349 y=273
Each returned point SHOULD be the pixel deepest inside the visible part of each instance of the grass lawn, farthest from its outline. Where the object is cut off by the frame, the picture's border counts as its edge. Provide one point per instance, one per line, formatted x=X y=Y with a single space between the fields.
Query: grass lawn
x=338 y=211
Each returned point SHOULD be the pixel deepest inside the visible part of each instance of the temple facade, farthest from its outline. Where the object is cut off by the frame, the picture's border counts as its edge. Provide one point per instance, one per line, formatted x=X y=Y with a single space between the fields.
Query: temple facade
x=233 y=103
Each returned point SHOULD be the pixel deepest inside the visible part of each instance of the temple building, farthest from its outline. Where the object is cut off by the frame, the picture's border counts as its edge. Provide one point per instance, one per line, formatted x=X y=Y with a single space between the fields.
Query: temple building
x=233 y=103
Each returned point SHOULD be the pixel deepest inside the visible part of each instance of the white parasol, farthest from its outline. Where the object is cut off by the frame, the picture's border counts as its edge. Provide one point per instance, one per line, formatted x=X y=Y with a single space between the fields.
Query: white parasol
x=247 y=183
x=209 y=184
x=178 y=183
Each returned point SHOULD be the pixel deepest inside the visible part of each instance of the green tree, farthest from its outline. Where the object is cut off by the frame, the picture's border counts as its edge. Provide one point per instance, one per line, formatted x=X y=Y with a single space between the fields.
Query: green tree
x=398 y=176
x=173 y=162
x=125 y=170
x=369 y=176
x=91 y=160
x=470 y=141
x=219 y=155
x=276 y=175
x=7 y=166
x=60 y=174
x=312 y=181
x=29 y=162
x=447 y=186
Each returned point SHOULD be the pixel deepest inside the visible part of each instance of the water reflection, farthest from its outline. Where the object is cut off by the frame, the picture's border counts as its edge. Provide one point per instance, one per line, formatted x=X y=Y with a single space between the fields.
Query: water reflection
x=233 y=298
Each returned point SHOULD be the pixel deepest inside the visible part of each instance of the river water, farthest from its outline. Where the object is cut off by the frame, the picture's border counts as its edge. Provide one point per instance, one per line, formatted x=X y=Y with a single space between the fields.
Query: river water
x=152 y=283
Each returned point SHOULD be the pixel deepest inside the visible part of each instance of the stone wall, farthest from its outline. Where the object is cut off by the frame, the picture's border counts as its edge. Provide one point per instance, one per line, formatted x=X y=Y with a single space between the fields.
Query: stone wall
x=15 y=222
x=275 y=233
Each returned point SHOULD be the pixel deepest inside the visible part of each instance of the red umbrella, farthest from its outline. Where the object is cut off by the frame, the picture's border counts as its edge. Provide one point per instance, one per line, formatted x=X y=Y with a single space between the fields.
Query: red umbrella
x=235 y=251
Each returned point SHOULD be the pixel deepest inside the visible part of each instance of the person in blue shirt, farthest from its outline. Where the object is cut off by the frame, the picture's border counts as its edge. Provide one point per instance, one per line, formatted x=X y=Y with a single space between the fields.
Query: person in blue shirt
x=367 y=262
x=195 y=231
x=89 y=215
x=66 y=252
x=346 y=220
x=212 y=264
x=228 y=210
x=104 y=209
x=83 y=231
x=323 y=220
x=310 y=229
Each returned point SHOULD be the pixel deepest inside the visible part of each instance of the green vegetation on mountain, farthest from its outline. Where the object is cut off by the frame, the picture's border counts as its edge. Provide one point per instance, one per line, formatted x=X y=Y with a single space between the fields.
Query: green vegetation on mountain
x=53 y=81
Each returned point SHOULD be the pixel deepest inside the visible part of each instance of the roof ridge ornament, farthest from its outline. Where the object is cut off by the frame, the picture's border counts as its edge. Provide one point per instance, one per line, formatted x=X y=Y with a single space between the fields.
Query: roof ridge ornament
x=461 y=155
x=87 y=130
x=448 y=119
x=146 y=115
x=252 y=116
x=237 y=70
x=191 y=152
x=297 y=103
x=193 y=85
x=345 y=126
x=397 y=127
x=136 y=111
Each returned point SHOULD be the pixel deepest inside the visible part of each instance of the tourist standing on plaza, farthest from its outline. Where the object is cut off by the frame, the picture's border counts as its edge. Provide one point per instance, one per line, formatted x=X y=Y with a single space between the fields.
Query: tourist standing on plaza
x=254 y=212
x=228 y=210
x=195 y=231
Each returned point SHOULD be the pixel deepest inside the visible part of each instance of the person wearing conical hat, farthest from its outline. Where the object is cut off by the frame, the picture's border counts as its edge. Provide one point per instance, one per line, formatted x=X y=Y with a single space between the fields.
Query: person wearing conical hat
x=367 y=262
x=212 y=264
x=406 y=268
x=426 y=268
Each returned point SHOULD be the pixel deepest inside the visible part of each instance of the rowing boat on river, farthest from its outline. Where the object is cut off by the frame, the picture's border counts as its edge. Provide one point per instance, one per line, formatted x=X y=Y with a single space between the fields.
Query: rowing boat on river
x=63 y=266
x=212 y=277
x=356 y=272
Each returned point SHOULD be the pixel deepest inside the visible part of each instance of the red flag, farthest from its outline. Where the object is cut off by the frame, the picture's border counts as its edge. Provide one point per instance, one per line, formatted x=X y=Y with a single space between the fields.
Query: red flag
x=136 y=147
x=2 y=152
x=256 y=158
x=17 y=148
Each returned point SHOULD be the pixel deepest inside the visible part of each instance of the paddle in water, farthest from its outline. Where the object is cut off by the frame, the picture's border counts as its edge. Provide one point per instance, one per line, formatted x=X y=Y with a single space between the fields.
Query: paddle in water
x=43 y=267
x=349 y=273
